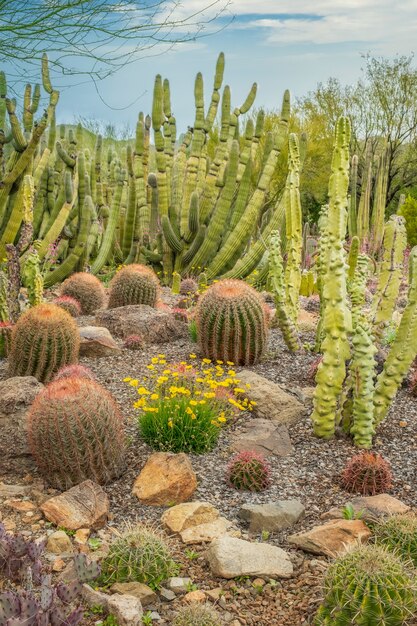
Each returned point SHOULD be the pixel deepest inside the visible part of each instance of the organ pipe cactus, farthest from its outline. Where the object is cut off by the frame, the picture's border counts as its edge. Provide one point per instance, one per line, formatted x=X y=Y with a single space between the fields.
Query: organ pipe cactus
x=293 y=228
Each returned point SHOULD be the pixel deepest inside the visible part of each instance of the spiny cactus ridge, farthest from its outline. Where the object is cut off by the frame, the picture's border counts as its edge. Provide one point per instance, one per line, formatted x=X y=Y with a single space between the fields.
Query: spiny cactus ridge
x=134 y=284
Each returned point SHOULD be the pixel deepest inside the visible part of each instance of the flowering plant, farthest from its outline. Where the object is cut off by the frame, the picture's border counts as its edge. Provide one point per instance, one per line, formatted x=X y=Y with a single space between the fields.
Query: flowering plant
x=184 y=405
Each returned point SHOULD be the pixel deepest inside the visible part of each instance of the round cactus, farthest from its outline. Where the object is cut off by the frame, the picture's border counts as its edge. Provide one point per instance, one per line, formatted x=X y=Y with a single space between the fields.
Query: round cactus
x=367 y=473
x=399 y=534
x=197 y=615
x=44 y=339
x=367 y=586
x=231 y=323
x=69 y=304
x=76 y=433
x=249 y=471
x=134 y=342
x=134 y=284
x=74 y=371
x=188 y=287
x=87 y=289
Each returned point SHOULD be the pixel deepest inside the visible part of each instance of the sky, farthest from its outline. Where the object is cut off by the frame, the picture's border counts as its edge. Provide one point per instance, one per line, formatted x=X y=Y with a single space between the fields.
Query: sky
x=279 y=44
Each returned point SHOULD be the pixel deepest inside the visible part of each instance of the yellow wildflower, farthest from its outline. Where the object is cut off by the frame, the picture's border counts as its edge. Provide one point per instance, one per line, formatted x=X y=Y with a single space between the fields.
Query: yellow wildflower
x=142 y=391
x=193 y=356
x=229 y=363
x=150 y=409
x=238 y=390
x=150 y=367
x=154 y=396
x=155 y=360
x=221 y=418
x=209 y=394
x=162 y=379
x=193 y=402
x=170 y=424
x=207 y=361
x=219 y=362
x=127 y=379
x=231 y=373
x=134 y=383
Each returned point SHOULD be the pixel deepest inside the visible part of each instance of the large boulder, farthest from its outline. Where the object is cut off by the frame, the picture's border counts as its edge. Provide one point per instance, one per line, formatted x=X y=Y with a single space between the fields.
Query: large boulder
x=84 y=506
x=156 y=325
x=229 y=557
x=263 y=436
x=16 y=396
x=165 y=480
x=272 y=402
x=332 y=539
x=272 y=516
x=96 y=342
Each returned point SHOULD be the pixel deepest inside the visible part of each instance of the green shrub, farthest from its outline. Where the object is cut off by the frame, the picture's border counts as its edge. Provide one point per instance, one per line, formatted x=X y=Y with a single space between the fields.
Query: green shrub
x=139 y=554
x=197 y=615
x=409 y=213
x=399 y=534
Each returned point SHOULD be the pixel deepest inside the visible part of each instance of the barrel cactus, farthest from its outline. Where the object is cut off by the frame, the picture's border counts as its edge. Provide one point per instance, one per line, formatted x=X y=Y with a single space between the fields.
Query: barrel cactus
x=399 y=534
x=74 y=371
x=367 y=473
x=69 y=304
x=249 y=471
x=231 y=323
x=85 y=288
x=367 y=586
x=134 y=284
x=76 y=433
x=44 y=339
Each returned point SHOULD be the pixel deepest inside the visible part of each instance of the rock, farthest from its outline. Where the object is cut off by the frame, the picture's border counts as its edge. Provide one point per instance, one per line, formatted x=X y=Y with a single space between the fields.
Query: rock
x=264 y=437
x=7 y=491
x=59 y=543
x=158 y=326
x=179 y=518
x=273 y=516
x=23 y=506
x=127 y=610
x=272 y=402
x=229 y=557
x=333 y=538
x=196 y=596
x=371 y=507
x=93 y=598
x=84 y=505
x=81 y=536
x=16 y=396
x=204 y=533
x=215 y=594
x=165 y=480
x=178 y=585
x=58 y=565
x=145 y=594
x=96 y=342
x=167 y=594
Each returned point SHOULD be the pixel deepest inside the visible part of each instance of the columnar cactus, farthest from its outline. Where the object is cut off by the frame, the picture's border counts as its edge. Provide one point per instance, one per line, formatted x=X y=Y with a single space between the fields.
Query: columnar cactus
x=76 y=433
x=43 y=340
x=134 y=284
x=293 y=230
x=231 y=323
x=85 y=288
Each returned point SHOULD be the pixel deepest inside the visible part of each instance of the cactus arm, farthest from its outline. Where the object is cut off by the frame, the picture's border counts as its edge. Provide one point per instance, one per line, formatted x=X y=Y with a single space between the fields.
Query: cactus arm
x=352 y=214
x=194 y=247
x=32 y=277
x=131 y=208
x=24 y=200
x=170 y=235
x=364 y=201
x=61 y=219
x=19 y=140
x=378 y=209
x=353 y=258
x=215 y=97
x=106 y=244
x=293 y=223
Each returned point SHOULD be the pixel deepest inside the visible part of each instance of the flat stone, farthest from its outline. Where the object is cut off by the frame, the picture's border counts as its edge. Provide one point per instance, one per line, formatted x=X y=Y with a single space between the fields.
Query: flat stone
x=59 y=543
x=96 y=342
x=178 y=584
x=165 y=480
x=265 y=437
x=273 y=516
x=127 y=610
x=157 y=325
x=92 y=597
x=371 y=507
x=11 y=491
x=23 y=506
x=272 y=401
x=204 y=533
x=85 y=505
x=179 y=518
x=145 y=594
x=81 y=536
x=167 y=594
x=16 y=396
x=331 y=539
x=229 y=557
x=196 y=596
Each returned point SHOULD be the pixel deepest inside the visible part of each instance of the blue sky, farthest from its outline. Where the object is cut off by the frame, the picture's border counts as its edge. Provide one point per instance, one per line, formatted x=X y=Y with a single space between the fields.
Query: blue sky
x=279 y=44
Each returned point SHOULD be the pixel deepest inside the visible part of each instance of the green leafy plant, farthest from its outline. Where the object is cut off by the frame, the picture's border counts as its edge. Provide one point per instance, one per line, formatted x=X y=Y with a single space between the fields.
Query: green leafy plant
x=349 y=512
x=191 y=554
x=94 y=543
x=265 y=535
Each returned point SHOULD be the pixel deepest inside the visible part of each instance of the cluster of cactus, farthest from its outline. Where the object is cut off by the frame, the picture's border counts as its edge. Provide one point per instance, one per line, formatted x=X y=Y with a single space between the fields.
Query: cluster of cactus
x=134 y=284
x=249 y=471
x=74 y=371
x=75 y=433
x=86 y=289
x=44 y=339
x=141 y=554
x=231 y=323
x=18 y=555
x=367 y=473
x=69 y=304
x=134 y=342
x=188 y=287
x=197 y=615
x=368 y=585
x=398 y=533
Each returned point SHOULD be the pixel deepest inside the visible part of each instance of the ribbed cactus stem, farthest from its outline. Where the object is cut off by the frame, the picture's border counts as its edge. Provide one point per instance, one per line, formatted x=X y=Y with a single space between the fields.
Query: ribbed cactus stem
x=134 y=284
x=352 y=211
x=32 y=277
x=176 y=282
x=293 y=226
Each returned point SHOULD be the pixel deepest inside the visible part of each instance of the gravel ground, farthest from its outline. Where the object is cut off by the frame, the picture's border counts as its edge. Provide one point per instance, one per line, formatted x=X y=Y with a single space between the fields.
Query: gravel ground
x=309 y=474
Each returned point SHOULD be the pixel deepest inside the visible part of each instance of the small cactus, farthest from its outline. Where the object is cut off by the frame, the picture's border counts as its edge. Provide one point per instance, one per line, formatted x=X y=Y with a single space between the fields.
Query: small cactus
x=188 y=287
x=85 y=288
x=44 y=339
x=398 y=533
x=249 y=471
x=5 y=338
x=197 y=615
x=231 y=323
x=76 y=433
x=367 y=586
x=367 y=473
x=134 y=284
x=69 y=304
x=134 y=342
x=74 y=371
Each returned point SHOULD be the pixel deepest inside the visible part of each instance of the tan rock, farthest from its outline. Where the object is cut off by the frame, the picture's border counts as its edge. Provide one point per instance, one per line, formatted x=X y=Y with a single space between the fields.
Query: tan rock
x=81 y=536
x=96 y=342
x=59 y=543
x=145 y=594
x=179 y=518
x=263 y=436
x=370 y=507
x=16 y=396
x=194 y=596
x=204 y=533
x=84 y=505
x=166 y=479
x=126 y=609
x=23 y=506
x=58 y=565
x=333 y=538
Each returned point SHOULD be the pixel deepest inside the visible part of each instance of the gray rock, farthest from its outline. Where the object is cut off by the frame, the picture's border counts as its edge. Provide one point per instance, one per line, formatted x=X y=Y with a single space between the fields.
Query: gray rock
x=156 y=325
x=96 y=342
x=127 y=610
x=264 y=437
x=179 y=585
x=10 y=491
x=229 y=557
x=145 y=594
x=92 y=597
x=272 y=401
x=273 y=516
x=16 y=397
x=167 y=594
